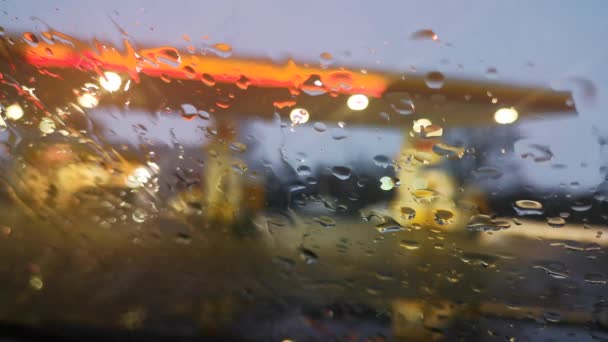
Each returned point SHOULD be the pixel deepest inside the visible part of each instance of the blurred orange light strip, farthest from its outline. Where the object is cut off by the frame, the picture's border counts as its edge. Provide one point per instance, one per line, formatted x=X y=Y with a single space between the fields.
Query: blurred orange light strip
x=157 y=62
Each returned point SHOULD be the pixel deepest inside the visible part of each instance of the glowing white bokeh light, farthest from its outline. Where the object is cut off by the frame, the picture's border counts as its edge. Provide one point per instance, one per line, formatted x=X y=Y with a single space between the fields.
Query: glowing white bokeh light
x=357 y=102
x=138 y=178
x=387 y=183
x=505 y=116
x=87 y=100
x=47 y=126
x=110 y=81
x=299 y=116
x=14 y=112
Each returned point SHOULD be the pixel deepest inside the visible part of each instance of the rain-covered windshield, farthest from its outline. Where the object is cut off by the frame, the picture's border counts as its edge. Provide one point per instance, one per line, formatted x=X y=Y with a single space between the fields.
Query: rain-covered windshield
x=311 y=171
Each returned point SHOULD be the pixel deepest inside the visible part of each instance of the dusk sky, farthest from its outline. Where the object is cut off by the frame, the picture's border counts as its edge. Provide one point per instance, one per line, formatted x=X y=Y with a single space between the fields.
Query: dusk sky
x=545 y=43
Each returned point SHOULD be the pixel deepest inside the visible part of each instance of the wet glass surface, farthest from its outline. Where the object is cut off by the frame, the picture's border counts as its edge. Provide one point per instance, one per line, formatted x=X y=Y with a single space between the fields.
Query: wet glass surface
x=318 y=172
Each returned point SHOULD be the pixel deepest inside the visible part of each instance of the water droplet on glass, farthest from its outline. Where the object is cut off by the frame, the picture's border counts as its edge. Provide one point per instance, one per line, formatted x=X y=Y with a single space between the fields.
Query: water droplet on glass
x=528 y=207
x=36 y=282
x=581 y=206
x=238 y=147
x=552 y=317
x=304 y=170
x=444 y=217
x=30 y=38
x=222 y=49
x=555 y=269
x=556 y=222
x=407 y=213
x=341 y=172
x=314 y=86
x=427 y=195
x=410 y=245
x=487 y=172
x=204 y=115
x=492 y=73
x=434 y=80
x=326 y=56
x=183 y=238
x=308 y=256
x=432 y=131
x=189 y=112
x=169 y=56
x=388 y=225
x=338 y=133
x=448 y=151
x=374 y=291
x=596 y=278
x=139 y=215
x=424 y=34
x=325 y=221
x=530 y=150
x=325 y=59
x=190 y=72
x=367 y=215
x=319 y=127
x=400 y=102
x=419 y=125
x=479 y=259
x=486 y=223
x=382 y=161
x=240 y=167
x=243 y=82
x=208 y=80
x=299 y=116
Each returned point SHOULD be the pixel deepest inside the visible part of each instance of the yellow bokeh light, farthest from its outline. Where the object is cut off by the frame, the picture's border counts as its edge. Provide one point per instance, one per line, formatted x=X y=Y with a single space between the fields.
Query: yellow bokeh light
x=36 y=282
x=110 y=81
x=421 y=124
x=299 y=116
x=139 y=177
x=357 y=102
x=505 y=116
x=14 y=112
x=87 y=100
